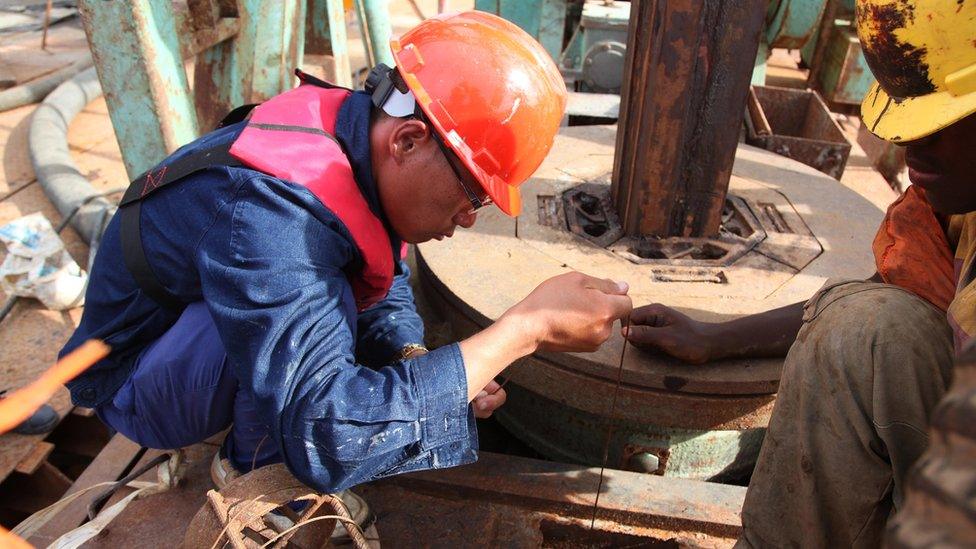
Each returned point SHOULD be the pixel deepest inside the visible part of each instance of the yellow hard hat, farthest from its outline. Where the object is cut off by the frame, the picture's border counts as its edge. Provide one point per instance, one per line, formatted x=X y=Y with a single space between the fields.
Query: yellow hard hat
x=923 y=54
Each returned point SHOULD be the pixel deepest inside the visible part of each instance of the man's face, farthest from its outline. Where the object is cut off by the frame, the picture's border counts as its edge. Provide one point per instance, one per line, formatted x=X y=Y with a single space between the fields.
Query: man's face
x=944 y=166
x=420 y=190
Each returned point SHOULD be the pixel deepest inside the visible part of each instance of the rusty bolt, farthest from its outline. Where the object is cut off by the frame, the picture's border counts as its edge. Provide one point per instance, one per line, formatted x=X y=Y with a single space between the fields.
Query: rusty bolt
x=644 y=462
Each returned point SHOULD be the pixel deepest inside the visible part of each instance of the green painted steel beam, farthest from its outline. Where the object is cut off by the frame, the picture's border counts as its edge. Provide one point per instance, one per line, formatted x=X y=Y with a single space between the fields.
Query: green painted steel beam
x=325 y=34
x=137 y=55
x=374 y=23
x=791 y=23
x=255 y=65
x=279 y=44
x=759 y=69
x=544 y=20
x=552 y=26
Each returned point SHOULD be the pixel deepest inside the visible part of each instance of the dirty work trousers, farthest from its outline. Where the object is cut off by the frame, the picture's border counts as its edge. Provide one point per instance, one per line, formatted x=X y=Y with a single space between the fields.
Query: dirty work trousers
x=868 y=366
x=183 y=391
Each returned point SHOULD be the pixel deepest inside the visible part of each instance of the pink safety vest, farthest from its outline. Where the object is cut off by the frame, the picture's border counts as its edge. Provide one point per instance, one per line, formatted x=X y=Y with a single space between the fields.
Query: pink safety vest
x=299 y=127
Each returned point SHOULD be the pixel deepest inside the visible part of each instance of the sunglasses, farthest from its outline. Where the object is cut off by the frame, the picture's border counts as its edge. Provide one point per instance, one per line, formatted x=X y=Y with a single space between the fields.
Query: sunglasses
x=478 y=201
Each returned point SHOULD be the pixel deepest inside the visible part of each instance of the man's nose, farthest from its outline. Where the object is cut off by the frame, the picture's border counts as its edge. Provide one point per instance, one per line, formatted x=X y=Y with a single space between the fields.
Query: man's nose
x=465 y=219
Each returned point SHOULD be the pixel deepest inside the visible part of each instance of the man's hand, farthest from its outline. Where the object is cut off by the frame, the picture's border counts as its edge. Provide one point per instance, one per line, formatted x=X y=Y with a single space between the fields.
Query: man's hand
x=660 y=327
x=572 y=312
x=488 y=400
x=767 y=334
x=569 y=312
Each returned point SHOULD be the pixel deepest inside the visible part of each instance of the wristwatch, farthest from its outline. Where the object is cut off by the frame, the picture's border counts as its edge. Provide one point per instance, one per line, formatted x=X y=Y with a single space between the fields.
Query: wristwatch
x=410 y=350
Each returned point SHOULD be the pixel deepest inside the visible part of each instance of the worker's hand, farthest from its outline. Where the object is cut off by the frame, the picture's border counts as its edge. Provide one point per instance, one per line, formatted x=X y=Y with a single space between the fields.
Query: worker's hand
x=660 y=327
x=569 y=312
x=488 y=400
x=572 y=312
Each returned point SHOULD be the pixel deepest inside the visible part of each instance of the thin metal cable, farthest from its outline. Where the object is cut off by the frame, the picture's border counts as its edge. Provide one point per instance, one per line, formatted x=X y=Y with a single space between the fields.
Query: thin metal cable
x=613 y=410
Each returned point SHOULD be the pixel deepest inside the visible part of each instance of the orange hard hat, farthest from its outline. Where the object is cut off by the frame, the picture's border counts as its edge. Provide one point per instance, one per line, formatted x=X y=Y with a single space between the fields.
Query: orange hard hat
x=492 y=93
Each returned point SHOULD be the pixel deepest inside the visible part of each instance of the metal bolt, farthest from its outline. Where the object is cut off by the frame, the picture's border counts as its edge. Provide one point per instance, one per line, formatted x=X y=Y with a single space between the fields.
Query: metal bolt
x=644 y=462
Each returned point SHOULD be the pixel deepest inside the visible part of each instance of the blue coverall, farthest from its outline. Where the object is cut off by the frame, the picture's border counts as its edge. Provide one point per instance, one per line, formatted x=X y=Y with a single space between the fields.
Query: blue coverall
x=271 y=341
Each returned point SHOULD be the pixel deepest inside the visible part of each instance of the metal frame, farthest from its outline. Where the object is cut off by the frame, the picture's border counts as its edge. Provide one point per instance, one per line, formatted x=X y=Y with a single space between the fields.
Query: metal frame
x=245 y=51
x=325 y=34
x=544 y=20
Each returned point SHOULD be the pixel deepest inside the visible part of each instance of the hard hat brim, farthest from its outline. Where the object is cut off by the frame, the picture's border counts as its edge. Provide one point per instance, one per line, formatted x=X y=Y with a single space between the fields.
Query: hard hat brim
x=901 y=121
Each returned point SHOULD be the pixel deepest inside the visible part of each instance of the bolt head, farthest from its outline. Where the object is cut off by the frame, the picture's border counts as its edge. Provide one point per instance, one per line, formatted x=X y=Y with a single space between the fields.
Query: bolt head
x=644 y=462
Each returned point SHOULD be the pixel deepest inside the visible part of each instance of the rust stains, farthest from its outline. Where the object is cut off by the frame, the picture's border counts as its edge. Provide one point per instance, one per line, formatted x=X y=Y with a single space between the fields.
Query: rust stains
x=881 y=114
x=900 y=66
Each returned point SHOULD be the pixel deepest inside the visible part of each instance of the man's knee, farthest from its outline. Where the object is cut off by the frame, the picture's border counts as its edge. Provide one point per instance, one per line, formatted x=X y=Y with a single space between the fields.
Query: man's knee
x=181 y=390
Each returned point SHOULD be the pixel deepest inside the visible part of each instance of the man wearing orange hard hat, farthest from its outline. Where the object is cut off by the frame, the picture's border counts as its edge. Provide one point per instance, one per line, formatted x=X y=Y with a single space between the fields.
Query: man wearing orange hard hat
x=254 y=279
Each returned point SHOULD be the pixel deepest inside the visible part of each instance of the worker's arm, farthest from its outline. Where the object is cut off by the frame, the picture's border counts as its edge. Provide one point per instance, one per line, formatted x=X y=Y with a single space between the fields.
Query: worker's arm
x=768 y=334
x=272 y=275
x=390 y=325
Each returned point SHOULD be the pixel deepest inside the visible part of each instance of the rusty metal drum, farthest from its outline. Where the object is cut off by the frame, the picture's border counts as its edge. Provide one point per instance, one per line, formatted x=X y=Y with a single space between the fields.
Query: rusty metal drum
x=788 y=229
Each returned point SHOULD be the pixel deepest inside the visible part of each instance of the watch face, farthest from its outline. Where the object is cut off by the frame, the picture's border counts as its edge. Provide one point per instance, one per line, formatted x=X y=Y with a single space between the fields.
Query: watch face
x=411 y=350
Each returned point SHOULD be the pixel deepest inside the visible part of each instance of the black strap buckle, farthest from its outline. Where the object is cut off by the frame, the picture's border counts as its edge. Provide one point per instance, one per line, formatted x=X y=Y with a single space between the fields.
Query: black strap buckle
x=381 y=82
x=130 y=208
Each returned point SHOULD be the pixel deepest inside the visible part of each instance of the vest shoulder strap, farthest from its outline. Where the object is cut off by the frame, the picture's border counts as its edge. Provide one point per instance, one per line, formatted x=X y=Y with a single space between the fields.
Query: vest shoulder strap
x=130 y=207
x=238 y=114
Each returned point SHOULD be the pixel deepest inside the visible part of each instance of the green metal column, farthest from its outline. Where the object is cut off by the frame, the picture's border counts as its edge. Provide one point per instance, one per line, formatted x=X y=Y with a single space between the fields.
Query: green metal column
x=544 y=20
x=137 y=54
x=255 y=65
x=374 y=23
x=325 y=34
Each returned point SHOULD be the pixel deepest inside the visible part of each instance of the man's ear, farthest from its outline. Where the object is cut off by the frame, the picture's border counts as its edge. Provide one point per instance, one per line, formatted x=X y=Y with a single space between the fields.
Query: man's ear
x=407 y=138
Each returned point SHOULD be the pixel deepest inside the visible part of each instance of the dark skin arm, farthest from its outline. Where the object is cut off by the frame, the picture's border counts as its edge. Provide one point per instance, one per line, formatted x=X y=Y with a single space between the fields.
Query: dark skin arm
x=767 y=334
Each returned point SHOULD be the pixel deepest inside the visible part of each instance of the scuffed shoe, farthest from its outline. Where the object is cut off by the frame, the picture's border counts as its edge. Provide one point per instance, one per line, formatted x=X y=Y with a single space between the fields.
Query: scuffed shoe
x=359 y=511
x=223 y=472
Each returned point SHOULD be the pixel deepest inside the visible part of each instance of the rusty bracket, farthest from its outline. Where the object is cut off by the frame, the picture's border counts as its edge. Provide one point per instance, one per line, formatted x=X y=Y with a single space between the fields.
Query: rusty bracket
x=739 y=233
x=590 y=215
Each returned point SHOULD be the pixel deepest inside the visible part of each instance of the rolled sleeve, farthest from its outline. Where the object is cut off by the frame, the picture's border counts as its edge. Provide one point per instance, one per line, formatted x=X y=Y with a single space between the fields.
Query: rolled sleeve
x=444 y=392
x=448 y=426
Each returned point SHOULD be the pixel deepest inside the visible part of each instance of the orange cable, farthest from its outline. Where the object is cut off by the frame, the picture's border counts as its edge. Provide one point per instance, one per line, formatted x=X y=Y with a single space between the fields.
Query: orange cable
x=20 y=404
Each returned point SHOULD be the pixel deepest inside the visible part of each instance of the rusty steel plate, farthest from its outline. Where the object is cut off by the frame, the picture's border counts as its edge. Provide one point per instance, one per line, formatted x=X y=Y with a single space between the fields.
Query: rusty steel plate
x=706 y=422
x=483 y=271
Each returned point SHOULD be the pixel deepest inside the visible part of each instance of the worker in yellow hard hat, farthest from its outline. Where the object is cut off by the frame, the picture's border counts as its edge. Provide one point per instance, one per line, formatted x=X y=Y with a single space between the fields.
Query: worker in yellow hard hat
x=867 y=361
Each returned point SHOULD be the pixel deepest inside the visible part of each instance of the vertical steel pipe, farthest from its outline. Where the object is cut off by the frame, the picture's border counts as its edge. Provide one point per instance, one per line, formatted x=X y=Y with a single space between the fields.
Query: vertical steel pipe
x=136 y=49
x=374 y=23
x=686 y=77
x=325 y=34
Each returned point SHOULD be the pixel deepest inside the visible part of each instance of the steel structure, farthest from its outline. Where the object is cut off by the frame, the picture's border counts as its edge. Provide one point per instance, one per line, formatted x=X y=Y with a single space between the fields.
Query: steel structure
x=244 y=52
x=687 y=75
